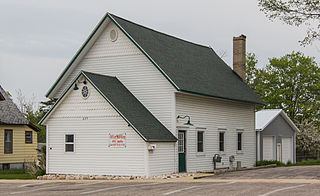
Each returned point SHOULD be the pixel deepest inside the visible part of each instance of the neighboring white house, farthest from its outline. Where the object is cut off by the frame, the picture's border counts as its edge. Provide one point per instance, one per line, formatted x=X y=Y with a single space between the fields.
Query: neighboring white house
x=276 y=136
x=130 y=93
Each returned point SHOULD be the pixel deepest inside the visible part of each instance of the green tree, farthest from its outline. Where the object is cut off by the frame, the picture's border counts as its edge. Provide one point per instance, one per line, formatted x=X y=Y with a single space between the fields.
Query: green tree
x=308 y=139
x=295 y=12
x=34 y=113
x=291 y=83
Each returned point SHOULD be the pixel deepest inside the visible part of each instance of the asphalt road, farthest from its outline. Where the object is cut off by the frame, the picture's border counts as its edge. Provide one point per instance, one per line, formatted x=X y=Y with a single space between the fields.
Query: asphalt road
x=247 y=183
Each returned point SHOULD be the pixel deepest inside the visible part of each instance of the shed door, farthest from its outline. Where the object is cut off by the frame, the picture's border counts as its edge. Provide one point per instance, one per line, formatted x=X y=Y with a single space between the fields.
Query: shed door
x=286 y=149
x=268 y=148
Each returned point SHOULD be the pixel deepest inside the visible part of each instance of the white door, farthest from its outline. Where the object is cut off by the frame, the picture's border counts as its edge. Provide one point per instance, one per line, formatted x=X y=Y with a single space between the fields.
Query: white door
x=268 y=148
x=286 y=149
x=279 y=152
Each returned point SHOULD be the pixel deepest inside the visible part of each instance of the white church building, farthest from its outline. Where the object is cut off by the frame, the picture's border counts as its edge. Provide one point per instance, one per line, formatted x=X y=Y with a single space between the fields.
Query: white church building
x=137 y=102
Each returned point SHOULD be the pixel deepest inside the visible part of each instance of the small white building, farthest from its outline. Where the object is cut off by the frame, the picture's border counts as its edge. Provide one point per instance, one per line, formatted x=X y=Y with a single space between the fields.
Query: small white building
x=276 y=136
x=135 y=101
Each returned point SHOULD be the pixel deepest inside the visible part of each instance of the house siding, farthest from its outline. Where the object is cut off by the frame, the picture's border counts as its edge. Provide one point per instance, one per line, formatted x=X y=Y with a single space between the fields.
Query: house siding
x=91 y=120
x=210 y=115
x=22 y=152
x=125 y=61
x=278 y=128
x=162 y=159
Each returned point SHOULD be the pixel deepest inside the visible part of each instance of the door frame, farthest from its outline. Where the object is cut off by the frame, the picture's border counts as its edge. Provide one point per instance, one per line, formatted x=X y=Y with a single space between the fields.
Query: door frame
x=185 y=150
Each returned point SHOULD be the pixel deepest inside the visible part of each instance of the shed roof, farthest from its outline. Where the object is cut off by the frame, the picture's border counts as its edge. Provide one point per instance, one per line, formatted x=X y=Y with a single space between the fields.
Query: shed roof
x=128 y=106
x=9 y=112
x=265 y=117
x=189 y=67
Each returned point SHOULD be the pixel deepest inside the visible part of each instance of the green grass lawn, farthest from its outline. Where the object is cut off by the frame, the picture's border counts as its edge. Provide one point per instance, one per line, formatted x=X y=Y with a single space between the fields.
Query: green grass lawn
x=15 y=174
x=278 y=163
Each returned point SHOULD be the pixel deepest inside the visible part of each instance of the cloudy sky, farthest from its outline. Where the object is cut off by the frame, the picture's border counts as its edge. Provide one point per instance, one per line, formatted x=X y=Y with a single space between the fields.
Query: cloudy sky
x=38 y=37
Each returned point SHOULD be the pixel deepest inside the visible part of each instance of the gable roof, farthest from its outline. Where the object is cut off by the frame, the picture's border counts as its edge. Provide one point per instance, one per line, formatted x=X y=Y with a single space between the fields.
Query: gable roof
x=10 y=114
x=128 y=106
x=265 y=117
x=189 y=67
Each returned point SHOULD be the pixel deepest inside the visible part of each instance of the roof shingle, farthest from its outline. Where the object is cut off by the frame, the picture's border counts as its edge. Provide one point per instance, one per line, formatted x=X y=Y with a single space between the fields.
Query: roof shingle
x=9 y=113
x=192 y=67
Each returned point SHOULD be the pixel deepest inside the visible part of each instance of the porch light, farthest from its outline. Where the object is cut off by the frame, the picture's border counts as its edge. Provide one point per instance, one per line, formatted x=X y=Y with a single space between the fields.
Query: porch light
x=186 y=116
x=75 y=87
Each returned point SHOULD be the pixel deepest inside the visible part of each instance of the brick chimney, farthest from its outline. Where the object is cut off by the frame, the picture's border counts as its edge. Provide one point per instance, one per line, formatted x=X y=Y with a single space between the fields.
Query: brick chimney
x=239 y=56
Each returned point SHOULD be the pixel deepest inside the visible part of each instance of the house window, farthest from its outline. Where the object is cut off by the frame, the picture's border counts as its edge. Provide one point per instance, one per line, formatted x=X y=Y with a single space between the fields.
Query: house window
x=221 y=141
x=69 y=143
x=239 y=141
x=28 y=137
x=200 y=141
x=181 y=142
x=8 y=141
x=6 y=166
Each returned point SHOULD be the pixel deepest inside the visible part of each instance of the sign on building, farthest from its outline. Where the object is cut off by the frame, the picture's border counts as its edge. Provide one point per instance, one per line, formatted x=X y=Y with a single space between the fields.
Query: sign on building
x=117 y=140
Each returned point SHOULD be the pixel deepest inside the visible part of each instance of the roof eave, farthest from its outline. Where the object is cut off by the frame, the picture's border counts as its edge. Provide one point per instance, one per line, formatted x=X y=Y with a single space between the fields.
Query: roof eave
x=77 y=54
x=107 y=15
x=218 y=97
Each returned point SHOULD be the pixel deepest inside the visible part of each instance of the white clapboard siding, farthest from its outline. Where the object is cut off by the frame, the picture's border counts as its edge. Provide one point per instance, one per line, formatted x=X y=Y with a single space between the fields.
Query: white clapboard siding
x=91 y=120
x=125 y=61
x=213 y=114
x=162 y=159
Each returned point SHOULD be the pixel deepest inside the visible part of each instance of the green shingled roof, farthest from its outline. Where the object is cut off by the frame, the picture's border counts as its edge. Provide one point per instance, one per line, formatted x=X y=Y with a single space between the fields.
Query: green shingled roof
x=191 y=67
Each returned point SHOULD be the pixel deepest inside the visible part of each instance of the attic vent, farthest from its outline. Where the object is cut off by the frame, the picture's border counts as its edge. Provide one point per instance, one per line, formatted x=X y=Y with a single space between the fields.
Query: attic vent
x=113 y=35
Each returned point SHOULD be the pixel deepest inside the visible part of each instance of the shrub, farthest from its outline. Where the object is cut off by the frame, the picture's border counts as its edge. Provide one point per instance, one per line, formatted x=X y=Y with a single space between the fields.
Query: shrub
x=269 y=162
x=40 y=172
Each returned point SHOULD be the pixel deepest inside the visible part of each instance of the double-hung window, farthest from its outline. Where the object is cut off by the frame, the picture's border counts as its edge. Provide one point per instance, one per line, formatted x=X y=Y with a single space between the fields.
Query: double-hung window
x=69 y=143
x=28 y=137
x=8 y=141
x=221 y=141
x=200 y=142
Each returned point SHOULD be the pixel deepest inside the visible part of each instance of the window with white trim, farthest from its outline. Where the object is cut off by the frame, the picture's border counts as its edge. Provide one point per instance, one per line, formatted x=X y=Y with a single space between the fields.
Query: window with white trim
x=69 y=143
x=200 y=141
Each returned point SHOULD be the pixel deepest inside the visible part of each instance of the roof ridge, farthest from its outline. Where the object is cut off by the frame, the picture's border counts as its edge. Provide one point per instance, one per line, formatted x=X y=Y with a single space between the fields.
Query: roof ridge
x=208 y=47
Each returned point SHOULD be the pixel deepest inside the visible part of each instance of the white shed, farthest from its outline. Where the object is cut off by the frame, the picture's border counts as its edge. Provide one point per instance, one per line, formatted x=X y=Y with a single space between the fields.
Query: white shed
x=276 y=136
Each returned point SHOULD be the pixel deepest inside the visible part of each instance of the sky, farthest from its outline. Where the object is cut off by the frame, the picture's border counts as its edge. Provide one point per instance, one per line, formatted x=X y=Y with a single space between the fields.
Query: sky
x=38 y=38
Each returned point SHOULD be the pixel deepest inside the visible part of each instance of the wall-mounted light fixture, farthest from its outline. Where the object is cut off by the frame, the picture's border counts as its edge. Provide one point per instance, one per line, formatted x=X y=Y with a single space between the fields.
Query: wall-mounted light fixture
x=183 y=117
x=76 y=86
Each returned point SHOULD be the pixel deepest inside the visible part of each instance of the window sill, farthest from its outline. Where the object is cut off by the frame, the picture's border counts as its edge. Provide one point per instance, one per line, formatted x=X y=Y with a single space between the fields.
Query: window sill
x=239 y=152
x=200 y=154
x=222 y=153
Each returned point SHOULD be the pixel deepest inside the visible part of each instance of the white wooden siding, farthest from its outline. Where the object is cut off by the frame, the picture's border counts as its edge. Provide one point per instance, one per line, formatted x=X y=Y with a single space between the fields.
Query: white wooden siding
x=92 y=155
x=125 y=61
x=214 y=114
x=161 y=160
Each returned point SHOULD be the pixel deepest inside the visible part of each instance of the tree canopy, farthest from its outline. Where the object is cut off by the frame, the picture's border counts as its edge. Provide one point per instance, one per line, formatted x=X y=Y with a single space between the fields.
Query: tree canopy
x=291 y=83
x=295 y=12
